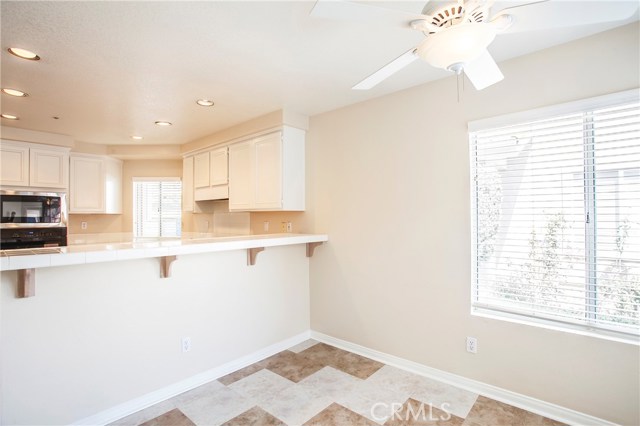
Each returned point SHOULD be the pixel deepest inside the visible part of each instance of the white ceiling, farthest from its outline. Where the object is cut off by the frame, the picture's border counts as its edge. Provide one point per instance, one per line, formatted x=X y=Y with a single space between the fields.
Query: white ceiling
x=111 y=69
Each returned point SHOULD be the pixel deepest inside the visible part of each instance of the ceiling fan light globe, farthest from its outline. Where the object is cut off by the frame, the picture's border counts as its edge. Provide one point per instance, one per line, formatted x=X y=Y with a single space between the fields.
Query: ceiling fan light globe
x=457 y=44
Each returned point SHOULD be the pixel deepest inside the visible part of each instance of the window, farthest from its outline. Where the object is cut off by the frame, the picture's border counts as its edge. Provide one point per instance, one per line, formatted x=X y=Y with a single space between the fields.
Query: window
x=157 y=207
x=556 y=216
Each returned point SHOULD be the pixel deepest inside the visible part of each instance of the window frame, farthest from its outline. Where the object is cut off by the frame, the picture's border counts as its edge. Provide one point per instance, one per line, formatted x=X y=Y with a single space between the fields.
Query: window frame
x=494 y=312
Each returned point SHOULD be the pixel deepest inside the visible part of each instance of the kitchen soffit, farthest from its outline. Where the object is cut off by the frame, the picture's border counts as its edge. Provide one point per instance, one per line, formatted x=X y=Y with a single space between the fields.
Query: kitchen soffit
x=109 y=70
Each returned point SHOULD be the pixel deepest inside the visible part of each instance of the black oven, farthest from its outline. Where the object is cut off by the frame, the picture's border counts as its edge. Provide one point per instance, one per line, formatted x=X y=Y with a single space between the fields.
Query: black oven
x=22 y=238
x=32 y=219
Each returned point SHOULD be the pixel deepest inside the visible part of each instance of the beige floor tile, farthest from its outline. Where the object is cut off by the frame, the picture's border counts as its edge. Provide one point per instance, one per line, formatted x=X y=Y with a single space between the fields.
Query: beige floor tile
x=441 y=395
x=261 y=385
x=294 y=406
x=416 y=413
x=255 y=417
x=329 y=382
x=302 y=346
x=444 y=396
x=337 y=415
x=373 y=401
x=213 y=406
x=174 y=417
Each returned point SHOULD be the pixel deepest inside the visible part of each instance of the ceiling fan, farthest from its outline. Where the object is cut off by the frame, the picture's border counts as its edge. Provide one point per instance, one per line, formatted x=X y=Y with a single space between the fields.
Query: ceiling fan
x=458 y=32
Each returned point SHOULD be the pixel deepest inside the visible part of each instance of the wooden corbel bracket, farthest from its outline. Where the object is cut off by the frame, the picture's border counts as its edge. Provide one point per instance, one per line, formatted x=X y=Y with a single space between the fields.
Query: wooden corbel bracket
x=165 y=266
x=26 y=282
x=311 y=248
x=252 y=253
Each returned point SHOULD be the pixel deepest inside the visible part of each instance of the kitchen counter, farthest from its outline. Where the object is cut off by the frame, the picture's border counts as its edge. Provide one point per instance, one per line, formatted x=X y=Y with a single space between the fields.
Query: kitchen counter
x=114 y=247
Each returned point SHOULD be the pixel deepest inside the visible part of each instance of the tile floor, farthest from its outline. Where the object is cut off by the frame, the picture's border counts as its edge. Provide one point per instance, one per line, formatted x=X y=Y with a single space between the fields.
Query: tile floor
x=320 y=385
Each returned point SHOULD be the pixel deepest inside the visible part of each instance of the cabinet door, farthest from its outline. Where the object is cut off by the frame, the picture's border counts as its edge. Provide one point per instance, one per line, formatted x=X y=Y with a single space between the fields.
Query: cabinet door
x=219 y=170
x=86 y=185
x=201 y=170
x=268 y=171
x=48 y=168
x=112 y=186
x=187 y=184
x=241 y=178
x=14 y=165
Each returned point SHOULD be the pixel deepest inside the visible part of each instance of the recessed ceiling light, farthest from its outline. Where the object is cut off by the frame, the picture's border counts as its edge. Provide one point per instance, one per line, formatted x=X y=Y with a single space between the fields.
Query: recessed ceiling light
x=163 y=123
x=204 y=102
x=9 y=117
x=136 y=137
x=23 y=53
x=15 y=92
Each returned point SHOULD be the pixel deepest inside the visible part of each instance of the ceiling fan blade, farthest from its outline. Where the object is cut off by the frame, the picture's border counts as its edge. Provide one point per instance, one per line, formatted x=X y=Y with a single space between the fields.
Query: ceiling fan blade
x=547 y=14
x=386 y=71
x=483 y=71
x=359 y=12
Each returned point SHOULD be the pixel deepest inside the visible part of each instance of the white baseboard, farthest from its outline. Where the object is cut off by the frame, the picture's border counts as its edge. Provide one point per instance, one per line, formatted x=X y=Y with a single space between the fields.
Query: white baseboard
x=122 y=410
x=534 y=405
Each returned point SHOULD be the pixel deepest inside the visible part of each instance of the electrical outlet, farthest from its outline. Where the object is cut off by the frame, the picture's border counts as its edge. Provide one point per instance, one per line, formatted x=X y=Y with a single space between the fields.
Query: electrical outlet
x=472 y=345
x=83 y=225
x=186 y=344
x=265 y=225
x=289 y=227
x=283 y=226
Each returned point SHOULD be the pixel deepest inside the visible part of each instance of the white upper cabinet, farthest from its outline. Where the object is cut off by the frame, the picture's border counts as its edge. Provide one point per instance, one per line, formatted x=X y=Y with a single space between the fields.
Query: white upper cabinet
x=95 y=184
x=187 y=184
x=48 y=169
x=211 y=175
x=268 y=172
x=218 y=167
x=241 y=176
x=33 y=165
x=201 y=170
x=14 y=162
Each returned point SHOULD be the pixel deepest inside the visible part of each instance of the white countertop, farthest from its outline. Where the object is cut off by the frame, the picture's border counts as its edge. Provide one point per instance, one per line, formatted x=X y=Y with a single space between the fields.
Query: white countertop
x=122 y=247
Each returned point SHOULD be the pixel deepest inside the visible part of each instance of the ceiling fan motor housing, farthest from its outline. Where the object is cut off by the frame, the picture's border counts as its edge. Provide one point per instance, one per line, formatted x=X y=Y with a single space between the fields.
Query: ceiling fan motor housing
x=446 y=14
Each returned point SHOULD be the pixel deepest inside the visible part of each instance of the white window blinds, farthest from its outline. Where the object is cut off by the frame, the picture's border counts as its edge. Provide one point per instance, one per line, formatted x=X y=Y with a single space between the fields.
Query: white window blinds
x=556 y=218
x=157 y=207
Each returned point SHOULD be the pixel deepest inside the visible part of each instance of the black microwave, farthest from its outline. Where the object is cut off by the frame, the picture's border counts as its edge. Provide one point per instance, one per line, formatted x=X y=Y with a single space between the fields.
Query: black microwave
x=22 y=209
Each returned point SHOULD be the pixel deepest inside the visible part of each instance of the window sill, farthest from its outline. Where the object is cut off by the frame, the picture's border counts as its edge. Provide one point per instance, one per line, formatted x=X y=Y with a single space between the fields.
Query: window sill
x=578 y=329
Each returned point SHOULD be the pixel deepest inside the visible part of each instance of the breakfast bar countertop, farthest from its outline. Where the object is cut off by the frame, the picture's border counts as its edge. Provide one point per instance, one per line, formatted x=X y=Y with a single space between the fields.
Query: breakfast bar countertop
x=112 y=247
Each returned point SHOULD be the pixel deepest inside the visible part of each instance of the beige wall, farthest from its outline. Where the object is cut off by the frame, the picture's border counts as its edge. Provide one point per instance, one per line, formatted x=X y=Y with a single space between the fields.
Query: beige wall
x=388 y=180
x=106 y=223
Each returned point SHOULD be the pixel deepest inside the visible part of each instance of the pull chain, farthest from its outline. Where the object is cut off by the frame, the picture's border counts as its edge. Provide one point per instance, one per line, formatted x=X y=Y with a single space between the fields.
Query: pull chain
x=457 y=68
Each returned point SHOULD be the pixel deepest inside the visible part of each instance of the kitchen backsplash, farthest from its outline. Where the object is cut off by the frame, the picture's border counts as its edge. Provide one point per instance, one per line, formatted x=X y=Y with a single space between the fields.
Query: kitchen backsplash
x=213 y=217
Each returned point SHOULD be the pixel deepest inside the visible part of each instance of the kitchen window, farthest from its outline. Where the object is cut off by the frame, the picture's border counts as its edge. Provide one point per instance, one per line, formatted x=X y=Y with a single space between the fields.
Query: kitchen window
x=555 y=196
x=157 y=208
